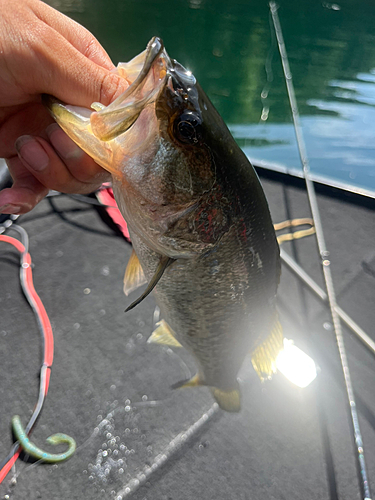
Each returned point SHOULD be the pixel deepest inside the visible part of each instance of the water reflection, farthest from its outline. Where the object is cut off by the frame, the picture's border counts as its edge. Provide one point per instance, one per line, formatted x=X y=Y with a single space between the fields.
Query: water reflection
x=230 y=49
x=67 y=6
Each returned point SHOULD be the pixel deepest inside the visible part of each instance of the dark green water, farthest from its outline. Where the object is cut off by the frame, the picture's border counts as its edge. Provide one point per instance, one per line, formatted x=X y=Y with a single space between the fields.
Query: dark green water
x=229 y=47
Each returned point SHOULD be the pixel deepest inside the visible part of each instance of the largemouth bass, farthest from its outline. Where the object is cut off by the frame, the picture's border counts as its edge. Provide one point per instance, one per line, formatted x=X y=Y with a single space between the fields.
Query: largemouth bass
x=197 y=215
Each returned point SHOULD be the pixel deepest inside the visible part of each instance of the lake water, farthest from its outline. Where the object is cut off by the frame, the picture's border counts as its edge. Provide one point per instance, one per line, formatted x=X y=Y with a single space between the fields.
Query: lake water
x=231 y=49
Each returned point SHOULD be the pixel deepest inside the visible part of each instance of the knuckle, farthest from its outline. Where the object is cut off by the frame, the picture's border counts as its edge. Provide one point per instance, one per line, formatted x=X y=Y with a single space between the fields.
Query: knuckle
x=91 y=47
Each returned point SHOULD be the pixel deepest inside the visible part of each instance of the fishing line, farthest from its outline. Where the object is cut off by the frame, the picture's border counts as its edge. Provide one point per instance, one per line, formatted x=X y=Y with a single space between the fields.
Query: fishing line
x=324 y=254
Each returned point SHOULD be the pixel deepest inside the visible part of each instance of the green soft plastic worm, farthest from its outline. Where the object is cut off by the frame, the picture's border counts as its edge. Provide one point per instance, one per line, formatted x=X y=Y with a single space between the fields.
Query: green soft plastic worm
x=36 y=452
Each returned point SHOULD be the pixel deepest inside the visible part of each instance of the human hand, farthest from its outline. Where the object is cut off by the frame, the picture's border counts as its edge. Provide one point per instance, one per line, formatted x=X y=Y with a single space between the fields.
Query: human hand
x=43 y=51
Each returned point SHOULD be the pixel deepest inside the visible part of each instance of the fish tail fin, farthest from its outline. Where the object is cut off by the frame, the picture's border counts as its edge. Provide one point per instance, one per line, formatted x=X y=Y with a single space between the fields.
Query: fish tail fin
x=227 y=400
x=264 y=356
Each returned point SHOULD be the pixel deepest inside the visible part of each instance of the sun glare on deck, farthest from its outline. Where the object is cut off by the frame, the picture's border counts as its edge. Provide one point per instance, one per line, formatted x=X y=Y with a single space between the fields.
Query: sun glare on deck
x=296 y=365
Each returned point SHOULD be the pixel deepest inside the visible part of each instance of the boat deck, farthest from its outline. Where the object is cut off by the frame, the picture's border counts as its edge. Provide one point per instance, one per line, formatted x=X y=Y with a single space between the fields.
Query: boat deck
x=110 y=390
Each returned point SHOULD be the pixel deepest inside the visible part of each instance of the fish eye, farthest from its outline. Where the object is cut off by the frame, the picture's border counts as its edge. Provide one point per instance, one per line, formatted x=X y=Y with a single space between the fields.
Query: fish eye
x=187 y=127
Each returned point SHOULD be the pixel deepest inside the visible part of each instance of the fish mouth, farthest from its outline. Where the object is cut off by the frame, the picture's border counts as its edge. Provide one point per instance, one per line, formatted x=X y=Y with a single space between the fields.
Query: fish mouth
x=120 y=115
x=99 y=130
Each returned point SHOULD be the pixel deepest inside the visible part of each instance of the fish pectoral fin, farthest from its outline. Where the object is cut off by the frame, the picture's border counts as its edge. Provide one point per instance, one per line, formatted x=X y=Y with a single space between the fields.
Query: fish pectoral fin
x=164 y=335
x=264 y=356
x=195 y=381
x=228 y=400
x=134 y=276
x=163 y=264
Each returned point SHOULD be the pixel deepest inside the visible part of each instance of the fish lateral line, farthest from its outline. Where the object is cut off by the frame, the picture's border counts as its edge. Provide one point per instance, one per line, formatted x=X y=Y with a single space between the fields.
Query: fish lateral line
x=163 y=264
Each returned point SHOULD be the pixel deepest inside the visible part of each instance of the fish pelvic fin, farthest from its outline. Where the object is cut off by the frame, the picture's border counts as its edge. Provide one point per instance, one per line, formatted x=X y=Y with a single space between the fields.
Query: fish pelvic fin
x=162 y=266
x=134 y=276
x=228 y=400
x=163 y=334
x=264 y=356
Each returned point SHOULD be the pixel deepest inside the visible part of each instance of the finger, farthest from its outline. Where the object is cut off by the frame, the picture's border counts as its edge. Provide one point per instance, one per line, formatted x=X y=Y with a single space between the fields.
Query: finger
x=75 y=33
x=75 y=79
x=39 y=157
x=25 y=193
x=81 y=166
x=54 y=55
x=30 y=119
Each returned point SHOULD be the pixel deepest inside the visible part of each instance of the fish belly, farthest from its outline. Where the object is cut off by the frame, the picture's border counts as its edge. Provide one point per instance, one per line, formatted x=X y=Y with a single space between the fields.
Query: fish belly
x=219 y=304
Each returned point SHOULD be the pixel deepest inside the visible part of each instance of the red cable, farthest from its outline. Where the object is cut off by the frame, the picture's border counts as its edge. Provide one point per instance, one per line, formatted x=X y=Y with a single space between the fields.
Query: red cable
x=105 y=196
x=13 y=241
x=45 y=323
x=5 y=470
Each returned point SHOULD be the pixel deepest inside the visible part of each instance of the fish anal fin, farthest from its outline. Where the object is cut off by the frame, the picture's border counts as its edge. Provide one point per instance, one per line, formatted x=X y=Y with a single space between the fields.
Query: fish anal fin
x=264 y=356
x=134 y=276
x=163 y=334
x=195 y=381
x=162 y=266
x=228 y=400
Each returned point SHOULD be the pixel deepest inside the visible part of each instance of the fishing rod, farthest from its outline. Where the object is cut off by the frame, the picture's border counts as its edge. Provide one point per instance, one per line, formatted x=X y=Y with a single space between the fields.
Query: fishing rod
x=324 y=254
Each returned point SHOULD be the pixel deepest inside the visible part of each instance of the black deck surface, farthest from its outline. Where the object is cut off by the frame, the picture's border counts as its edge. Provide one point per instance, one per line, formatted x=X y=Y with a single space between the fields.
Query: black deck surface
x=110 y=390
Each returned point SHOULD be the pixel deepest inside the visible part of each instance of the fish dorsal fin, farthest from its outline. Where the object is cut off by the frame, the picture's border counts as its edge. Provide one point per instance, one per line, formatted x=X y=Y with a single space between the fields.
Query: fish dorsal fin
x=227 y=400
x=195 y=381
x=134 y=275
x=163 y=334
x=163 y=264
x=264 y=356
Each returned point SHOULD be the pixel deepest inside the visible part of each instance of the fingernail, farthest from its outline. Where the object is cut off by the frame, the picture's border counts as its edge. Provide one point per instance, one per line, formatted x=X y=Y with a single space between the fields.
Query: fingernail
x=32 y=153
x=62 y=143
x=10 y=209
